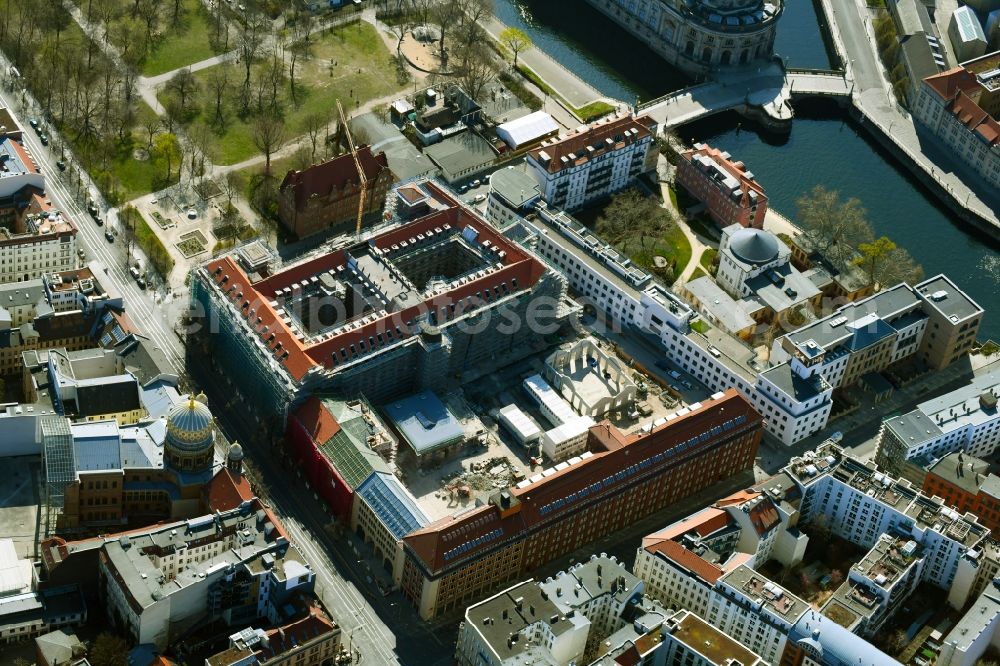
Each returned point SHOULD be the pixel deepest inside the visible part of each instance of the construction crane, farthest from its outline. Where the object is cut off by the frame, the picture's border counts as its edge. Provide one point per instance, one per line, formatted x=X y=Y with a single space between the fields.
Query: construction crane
x=357 y=163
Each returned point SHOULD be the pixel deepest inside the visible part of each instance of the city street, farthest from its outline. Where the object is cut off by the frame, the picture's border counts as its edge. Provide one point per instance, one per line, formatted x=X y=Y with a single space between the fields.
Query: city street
x=385 y=629
x=151 y=313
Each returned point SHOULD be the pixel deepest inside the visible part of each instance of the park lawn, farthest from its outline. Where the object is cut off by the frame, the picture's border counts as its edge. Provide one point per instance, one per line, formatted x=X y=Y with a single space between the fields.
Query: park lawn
x=139 y=177
x=183 y=44
x=364 y=71
x=673 y=246
x=594 y=110
x=707 y=257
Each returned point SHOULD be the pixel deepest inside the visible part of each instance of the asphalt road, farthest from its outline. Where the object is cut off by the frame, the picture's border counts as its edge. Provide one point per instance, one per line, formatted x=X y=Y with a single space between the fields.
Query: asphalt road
x=153 y=319
x=385 y=629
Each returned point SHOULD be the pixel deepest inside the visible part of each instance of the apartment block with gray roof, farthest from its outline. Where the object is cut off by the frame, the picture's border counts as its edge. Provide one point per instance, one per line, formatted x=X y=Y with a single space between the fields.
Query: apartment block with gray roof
x=966 y=420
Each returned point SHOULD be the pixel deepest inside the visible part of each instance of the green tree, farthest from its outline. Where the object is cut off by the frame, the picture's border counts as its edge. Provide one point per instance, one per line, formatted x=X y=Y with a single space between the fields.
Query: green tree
x=108 y=650
x=885 y=264
x=166 y=147
x=834 y=227
x=516 y=41
x=631 y=215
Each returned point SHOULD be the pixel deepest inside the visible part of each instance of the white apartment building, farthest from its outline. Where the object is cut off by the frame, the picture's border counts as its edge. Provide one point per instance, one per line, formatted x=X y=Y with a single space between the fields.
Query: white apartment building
x=961 y=106
x=966 y=420
x=859 y=503
x=559 y=621
x=592 y=162
x=934 y=321
x=755 y=611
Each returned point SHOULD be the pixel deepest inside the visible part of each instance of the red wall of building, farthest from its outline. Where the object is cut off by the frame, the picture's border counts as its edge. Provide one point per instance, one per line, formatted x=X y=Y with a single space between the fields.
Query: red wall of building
x=321 y=475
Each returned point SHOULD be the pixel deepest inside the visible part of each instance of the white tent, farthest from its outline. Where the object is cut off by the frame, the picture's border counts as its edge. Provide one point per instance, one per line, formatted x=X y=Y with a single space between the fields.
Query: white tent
x=527 y=129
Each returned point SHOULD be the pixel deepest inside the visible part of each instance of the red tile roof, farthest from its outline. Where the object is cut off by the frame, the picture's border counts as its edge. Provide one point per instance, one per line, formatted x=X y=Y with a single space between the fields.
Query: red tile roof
x=225 y=492
x=253 y=300
x=334 y=174
x=960 y=89
x=431 y=543
x=595 y=135
x=683 y=557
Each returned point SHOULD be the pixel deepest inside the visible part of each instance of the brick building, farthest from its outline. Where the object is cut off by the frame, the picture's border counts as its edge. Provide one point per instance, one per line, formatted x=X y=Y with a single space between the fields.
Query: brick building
x=324 y=197
x=727 y=188
x=965 y=483
x=622 y=478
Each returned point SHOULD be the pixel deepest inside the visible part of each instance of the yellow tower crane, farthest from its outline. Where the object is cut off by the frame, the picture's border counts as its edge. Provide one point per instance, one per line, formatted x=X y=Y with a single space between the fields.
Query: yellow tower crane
x=357 y=163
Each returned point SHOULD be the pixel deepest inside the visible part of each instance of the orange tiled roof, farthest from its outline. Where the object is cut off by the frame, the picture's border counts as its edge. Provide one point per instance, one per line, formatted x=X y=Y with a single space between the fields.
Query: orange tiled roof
x=253 y=300
x=225 y=492
x=576 y=142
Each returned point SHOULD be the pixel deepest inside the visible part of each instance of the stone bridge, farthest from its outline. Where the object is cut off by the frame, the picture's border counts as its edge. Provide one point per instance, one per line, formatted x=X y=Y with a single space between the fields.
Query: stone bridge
x=764 y=94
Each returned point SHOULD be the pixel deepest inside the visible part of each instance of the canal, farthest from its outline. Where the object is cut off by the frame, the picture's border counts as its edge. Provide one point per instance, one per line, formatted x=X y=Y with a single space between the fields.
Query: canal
x=823 y=147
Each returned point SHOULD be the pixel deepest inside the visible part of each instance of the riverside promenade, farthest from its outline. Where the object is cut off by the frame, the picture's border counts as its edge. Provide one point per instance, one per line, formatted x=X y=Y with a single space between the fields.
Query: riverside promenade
x=893 y=127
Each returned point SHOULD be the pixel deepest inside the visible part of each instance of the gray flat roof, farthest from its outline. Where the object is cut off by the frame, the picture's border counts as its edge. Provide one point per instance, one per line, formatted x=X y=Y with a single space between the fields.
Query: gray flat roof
x=913 y=428
x=953 y=302
x=965 y=471
x=886 y=304
x=425 y=422
x=461 y=152
x=515 y=186
x=719 y=304
x=801 y=389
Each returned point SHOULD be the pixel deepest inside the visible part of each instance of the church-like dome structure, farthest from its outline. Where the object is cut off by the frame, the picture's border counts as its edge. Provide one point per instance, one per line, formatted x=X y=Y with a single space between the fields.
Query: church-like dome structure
x=190 y=440
x=754 y=246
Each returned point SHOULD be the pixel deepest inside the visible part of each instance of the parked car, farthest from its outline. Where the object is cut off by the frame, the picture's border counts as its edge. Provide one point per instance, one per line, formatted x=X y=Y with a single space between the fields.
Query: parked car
x=61 y=165
x=141 y=282
x=688 y=385
x=479 y=198
x=675 y=374
x=44 y=138
x=98 y=221
x=134 y=272
x=477 y=182
x=34 y=125
x=110 y=236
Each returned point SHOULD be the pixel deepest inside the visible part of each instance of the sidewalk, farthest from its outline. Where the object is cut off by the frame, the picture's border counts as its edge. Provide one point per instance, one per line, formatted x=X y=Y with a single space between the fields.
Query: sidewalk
x=565 y=83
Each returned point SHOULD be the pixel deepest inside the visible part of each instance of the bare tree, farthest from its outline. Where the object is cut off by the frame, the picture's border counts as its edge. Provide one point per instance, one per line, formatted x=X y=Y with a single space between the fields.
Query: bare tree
x=313 y=124
x=185 y=86
x=268 y=133
x=299 y=49
x=218 y=85
x=476 y=70
x=250 y=39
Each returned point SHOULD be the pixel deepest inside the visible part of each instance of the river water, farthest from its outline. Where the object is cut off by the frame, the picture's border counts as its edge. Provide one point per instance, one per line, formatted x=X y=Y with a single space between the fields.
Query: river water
x=822 y=148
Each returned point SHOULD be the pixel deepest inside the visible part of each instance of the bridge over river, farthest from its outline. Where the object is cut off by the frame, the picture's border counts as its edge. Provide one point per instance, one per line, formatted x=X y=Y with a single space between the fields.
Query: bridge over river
x=763 y=94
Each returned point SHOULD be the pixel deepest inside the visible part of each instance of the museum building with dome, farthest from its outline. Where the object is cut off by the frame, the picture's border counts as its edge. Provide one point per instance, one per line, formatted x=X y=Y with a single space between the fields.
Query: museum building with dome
x=700 y=36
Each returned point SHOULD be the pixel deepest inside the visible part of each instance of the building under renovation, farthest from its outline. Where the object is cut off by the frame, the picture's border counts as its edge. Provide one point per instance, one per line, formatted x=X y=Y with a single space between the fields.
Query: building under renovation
x=425 y=304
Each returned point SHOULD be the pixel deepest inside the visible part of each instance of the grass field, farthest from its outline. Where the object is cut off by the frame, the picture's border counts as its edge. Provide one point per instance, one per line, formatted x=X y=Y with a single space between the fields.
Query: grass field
x=673 y=246
x=707 y=257
x=361 y=68
x=183 y=44
x=146 y=239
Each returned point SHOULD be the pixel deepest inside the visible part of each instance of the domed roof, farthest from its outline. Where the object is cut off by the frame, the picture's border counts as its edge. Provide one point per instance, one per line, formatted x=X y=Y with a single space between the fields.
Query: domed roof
x=754 y=246
x=236 y=451
x=189 y=425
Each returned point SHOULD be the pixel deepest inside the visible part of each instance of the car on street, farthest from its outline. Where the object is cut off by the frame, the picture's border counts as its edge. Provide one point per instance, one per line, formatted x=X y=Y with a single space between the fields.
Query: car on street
x=141 y=282
x=134 y=272
x=463 y=189
x=44 y=138
x=34 y=125
x=688 y=385
x=110 y=236
x=98 y=221
x=477 y=183
x=61 y=165
x=192 y=213
x=479 y=198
